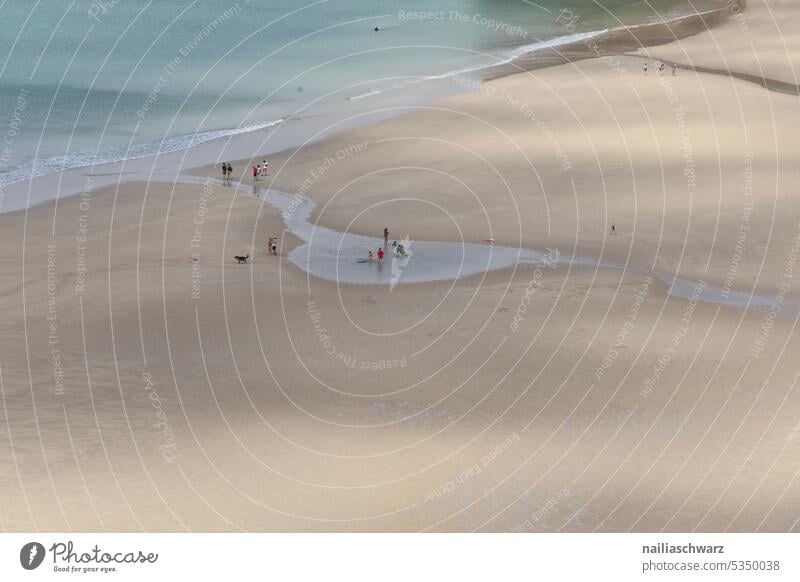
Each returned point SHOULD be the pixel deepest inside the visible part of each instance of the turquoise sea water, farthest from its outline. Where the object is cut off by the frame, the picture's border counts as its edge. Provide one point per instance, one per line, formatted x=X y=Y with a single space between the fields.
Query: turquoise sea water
x=83 y=82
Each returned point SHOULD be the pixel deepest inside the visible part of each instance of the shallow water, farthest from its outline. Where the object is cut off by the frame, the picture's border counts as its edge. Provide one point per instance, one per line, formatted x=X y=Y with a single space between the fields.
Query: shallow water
x=333 y=255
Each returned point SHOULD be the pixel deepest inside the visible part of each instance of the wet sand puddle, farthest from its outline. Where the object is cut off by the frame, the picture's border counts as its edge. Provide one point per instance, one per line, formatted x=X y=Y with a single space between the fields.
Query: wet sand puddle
x=341 y=256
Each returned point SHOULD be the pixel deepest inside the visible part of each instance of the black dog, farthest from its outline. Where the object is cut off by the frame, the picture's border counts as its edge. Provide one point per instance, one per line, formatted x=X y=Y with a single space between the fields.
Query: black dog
x=242 y=259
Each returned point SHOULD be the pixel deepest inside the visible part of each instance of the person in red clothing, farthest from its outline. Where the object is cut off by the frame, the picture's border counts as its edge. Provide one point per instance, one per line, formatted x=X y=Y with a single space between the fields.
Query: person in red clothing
x=380 y=255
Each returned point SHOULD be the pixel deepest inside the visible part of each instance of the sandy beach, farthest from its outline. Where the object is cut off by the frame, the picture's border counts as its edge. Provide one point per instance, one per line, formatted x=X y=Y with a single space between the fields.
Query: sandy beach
x=758 y=40
x=150 y=382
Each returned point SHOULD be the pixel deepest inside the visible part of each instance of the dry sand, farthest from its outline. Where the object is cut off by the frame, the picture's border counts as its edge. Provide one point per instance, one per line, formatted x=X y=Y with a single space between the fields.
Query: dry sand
x=208 y=395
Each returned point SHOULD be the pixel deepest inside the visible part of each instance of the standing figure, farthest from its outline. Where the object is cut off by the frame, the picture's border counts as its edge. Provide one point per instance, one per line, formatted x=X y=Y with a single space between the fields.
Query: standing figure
x=386 y=237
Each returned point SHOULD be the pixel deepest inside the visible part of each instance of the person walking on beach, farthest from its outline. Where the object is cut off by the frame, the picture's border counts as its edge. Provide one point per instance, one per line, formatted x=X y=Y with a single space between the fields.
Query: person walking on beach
x=230 y=172
x=224 y=170
x=674 y=70
x=385 y=237
x=644 y=68
x=613 y=228
x=255 y=174
x=371 y=256
x=661 y=69
x=274 y=246
x=380 y=255
x=264 y=168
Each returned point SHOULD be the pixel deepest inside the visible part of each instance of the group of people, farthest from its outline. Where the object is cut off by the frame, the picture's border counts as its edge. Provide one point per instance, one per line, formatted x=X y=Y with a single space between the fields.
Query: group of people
x=227 y=172
x=662 y=68
x=272 y=246
x=261 y=169
x=397 y=248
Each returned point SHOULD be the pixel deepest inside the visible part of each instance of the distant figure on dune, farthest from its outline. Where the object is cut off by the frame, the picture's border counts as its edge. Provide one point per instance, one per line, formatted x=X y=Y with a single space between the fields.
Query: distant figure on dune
x=613 y=228
x=644 y=68
x=674 y=70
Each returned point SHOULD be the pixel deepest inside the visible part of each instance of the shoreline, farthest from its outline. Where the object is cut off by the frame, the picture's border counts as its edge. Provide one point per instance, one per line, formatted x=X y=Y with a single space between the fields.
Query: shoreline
x=616 y=42
x=604 y=43
x=610 y=43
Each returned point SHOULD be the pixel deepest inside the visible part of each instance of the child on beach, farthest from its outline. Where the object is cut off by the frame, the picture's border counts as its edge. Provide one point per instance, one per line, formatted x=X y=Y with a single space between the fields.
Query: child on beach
x=674 y=70
x=380 y=255
x=371 y=256
x=255 y=174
